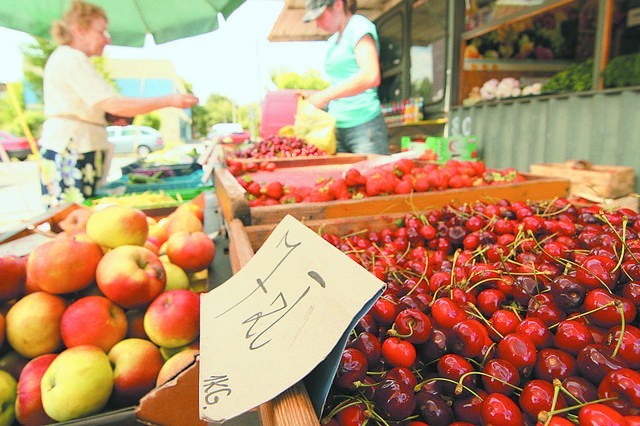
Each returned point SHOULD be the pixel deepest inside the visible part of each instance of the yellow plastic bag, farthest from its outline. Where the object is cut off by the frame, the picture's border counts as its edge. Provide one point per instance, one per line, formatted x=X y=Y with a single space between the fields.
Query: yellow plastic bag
x=315 y=126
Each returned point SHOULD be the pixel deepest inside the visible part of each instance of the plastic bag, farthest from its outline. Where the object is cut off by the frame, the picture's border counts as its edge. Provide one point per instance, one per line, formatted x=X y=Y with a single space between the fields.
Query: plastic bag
x=315 y=126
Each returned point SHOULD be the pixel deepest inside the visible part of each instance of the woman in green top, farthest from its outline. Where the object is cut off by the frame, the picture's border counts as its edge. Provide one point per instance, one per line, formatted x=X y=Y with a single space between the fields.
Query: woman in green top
x=354 y=74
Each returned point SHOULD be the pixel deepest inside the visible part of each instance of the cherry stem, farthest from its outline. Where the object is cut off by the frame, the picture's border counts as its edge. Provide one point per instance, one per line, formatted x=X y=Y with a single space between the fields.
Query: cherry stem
x=444 y=379
x=620 y=308
x=481 y=317
x=482 y=373
x=394 y=333
x=543 y=416
x=585 y=313
x=351 y=401
x=574 y=407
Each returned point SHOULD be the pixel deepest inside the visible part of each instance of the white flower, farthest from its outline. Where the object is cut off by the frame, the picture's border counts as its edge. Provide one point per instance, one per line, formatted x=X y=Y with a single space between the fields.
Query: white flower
x=488 y=89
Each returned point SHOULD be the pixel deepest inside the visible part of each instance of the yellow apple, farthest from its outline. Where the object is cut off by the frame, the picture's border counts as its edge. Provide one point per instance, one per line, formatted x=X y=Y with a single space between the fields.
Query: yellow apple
x=173 y=318
x=8 y=393
x=177 y=278
x=114 y=226
x=78 y=383
x=136 y=364
x=33 y=324
x=176 y=364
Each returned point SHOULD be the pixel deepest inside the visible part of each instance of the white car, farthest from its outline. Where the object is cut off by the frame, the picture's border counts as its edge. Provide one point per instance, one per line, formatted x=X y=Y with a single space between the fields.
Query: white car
x=141 y=140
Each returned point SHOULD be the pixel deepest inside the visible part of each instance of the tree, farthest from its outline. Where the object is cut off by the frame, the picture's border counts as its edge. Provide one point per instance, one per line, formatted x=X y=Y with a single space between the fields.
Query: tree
x=310 y=79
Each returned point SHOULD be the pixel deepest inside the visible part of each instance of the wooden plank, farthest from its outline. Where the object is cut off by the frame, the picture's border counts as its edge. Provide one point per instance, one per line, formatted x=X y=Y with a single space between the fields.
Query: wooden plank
x=342 y=158
x=233 y=203
x=293 y=406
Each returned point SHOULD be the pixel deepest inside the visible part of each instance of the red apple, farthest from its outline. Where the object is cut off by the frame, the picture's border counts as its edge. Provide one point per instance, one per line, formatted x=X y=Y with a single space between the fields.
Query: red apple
x=64 y=264
x=93 y=320
x=76 y=221
x=131 y=276
x=136 y=364
x=29 y=410
x=183 y=221
x=33 y=324
x=13 y=273
x=173 y=318
x=192 y=251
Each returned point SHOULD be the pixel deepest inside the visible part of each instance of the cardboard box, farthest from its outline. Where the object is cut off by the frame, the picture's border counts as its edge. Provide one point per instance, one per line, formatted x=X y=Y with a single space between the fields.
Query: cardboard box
x=602 y=181
x=631 y=201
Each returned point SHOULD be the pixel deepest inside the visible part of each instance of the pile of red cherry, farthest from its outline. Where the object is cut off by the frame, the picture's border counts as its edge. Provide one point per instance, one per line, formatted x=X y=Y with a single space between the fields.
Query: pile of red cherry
x=509 y=313
x=279 y=147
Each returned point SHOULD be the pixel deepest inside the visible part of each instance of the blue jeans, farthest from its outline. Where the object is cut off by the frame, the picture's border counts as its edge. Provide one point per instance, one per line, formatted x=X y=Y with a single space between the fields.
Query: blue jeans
x=369 y=138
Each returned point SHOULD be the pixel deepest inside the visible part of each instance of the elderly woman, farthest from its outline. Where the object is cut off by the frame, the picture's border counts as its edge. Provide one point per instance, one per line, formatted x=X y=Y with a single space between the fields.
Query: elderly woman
x=76 y=98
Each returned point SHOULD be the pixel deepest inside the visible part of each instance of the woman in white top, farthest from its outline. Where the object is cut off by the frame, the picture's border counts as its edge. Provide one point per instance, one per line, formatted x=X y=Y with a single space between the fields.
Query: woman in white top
x=76 y=98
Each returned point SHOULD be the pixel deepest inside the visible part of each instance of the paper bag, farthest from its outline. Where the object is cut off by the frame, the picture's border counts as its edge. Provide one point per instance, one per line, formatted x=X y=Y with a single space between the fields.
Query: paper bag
x=315 y=126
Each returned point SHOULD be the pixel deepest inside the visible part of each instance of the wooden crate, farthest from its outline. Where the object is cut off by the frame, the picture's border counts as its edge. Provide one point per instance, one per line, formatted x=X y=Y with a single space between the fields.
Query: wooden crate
x=341 y=158
x=234 y=204
x=597 y=180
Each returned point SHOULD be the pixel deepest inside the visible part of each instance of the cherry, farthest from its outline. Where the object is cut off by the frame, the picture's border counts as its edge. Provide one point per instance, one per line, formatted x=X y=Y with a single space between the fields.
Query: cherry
x=468 y=338
x=556 y=421
x=490 y=300
x=597 y=271
x=536 y=396
x=520 y=350
x=554 y=363
x=571 y=336
x=398 y=352
x=632 y=290
x=596 y=360
x=412 y=325
x=469 y=409
x=434 y=410
x=632 y=420
x=446 y=313
x=567 y=292
x=600 y=415
x=352 y=368
x=542 y=306
x=497 y=372
x=503 y=322
x=452 y=367
x=581 y=389
x=624 y=386
x=394 y=400
x=352 y=415
x=366 y=324
x=384 y=310
x=500 y=410
x=369 y=345
x=537 y=331
x=629 y=349
x=435 y=346
x=606 y=308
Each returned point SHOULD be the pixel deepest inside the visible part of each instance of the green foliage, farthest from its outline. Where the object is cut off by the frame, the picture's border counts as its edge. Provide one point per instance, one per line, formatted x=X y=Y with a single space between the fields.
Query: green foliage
x=576 y=78
x=200 y=121
x=9 y=118
x=35 y=57
x=622 y=71
x=310 y=80
x=151 y=120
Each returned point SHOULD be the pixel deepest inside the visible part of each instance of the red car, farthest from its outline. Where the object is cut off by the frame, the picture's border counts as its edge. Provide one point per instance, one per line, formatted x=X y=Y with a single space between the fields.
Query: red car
x=16 y=146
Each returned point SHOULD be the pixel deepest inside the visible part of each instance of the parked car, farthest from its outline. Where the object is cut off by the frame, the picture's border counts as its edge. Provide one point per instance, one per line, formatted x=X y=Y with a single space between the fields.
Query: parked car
x=15 y=146
x=228 y=133
x=141 y=140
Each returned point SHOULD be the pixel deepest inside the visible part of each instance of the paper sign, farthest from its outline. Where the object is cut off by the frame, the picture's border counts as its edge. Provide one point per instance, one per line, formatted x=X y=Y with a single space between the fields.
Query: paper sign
x=276 y=319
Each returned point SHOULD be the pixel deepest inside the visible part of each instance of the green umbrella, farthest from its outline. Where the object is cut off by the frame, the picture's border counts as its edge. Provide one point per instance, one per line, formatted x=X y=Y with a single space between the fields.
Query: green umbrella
x=129 y=20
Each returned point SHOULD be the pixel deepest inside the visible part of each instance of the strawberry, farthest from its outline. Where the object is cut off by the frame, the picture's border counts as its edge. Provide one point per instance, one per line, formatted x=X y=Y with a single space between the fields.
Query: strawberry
x=254 y=188
x=402 y=167
x=404 y=186
x=339 y=189
x=273 y=190
x=353 y=177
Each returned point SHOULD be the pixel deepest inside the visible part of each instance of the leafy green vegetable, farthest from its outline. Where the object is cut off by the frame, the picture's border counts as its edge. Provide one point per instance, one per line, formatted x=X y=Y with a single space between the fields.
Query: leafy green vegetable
x=576 y=78
x=622 y=71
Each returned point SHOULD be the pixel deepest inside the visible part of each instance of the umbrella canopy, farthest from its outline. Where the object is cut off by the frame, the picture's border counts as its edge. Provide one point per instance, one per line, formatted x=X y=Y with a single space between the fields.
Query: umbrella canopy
x=129 y=20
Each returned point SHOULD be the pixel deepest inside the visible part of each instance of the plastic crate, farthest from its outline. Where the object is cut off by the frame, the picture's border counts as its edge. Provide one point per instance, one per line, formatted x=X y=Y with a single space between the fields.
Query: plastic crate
x=165 y=170
x=123 y=186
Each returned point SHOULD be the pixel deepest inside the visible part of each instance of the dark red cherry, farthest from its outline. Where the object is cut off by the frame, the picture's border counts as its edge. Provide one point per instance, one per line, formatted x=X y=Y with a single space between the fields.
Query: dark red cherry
x=554 y=363
x=394 y=400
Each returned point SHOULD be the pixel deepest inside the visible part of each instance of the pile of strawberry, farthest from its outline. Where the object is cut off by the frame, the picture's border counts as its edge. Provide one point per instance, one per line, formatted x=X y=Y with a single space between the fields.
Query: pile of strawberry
x=509 y=313
x=400 y=177
x=279 y=147
x=239 y=168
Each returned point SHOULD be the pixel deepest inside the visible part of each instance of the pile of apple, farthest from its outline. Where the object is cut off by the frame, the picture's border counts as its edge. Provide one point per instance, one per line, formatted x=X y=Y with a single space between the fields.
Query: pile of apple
x=505 y=313
x=99 y=315
x=400 y=177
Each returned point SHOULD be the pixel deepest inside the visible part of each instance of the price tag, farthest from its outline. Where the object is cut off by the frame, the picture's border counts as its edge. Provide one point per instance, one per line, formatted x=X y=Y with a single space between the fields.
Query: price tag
x=279 y=317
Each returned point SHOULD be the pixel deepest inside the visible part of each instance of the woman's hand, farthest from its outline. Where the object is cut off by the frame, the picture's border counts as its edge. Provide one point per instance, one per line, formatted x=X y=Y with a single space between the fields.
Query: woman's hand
x=319 y=99
x=183 y=100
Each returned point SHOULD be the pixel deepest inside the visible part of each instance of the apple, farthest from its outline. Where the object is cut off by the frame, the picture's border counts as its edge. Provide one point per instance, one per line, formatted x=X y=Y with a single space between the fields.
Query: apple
x=177 y=278
x=78 y=383
x=93 y=320
x=158 y=232
x=76 y=221
x=64 y=264
x=193 y=208
x=29 y=410
x=2 y=328
x=33 y=324
x=13 y=273
x=173 y=318
x=183 y=220
x=192 y=251
x=8 y=392
x=131 y=276
x=176 y=364
x=115 y=225
x=136 y=364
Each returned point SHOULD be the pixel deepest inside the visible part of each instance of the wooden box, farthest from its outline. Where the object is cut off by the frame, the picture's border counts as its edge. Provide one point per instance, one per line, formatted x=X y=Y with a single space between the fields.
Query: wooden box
x=586 y=178
x=234 y=204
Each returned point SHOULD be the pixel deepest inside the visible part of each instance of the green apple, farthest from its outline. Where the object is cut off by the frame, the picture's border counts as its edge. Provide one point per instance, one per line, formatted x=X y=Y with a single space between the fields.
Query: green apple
x=33 y=324
x=177 y=278
x=114 y=226
x=8 y=393
x=78 y=383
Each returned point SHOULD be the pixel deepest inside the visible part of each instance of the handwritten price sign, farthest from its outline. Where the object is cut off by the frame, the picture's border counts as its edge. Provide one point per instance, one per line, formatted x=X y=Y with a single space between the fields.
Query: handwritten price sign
x=275 y=320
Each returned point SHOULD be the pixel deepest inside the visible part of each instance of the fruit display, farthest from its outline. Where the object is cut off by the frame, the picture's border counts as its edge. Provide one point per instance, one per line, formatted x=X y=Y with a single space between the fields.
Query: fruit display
x=91 y=317
x=278 y=147
x=401 y=177
x=503 y=313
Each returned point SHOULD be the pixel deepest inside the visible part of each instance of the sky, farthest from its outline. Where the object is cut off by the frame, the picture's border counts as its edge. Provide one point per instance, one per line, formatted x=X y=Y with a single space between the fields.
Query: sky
x=235 y=61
